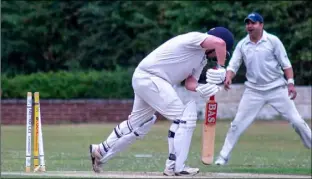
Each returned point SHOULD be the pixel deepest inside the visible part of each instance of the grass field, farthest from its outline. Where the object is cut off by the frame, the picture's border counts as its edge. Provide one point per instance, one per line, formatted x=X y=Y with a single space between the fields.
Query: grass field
x=266 y=147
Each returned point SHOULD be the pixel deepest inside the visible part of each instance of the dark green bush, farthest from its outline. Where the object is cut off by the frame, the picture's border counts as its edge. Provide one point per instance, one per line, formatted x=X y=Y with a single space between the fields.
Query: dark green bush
x=70 y=85
x=43 y=36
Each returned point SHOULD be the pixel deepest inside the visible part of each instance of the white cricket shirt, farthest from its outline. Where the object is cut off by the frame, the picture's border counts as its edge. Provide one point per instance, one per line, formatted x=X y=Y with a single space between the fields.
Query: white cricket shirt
x=177 y=58
x=264 y=61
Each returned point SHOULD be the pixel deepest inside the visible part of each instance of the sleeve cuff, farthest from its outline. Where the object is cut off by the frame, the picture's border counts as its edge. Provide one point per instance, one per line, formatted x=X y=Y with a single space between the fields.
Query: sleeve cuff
x=284 y=68
x=231 y=69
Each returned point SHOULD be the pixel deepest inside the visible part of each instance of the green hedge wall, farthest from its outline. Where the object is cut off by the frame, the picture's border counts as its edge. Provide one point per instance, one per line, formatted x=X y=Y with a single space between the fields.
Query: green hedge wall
x=70 y=85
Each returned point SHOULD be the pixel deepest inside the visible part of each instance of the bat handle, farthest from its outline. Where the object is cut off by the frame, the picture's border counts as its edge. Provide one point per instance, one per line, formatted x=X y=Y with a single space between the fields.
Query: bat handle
x=212 y=98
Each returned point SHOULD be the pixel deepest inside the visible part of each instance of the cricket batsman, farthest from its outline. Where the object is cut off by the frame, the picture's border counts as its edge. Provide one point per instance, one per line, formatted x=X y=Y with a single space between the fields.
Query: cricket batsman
x=182 y=57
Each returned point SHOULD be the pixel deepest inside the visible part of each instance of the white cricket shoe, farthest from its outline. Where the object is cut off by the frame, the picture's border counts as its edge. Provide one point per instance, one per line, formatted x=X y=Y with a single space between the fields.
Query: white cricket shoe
x=221 y=161
x=187 y=171
x=169 y=172
x=95 y=158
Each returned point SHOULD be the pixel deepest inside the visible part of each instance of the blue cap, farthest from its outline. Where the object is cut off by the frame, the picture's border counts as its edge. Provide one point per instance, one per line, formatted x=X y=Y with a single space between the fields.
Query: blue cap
x=225 y=35
x=254 y=17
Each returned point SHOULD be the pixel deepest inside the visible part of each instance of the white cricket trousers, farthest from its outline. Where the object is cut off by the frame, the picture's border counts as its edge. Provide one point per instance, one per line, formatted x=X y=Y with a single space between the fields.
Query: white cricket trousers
x=154 y=94
x=251 y=103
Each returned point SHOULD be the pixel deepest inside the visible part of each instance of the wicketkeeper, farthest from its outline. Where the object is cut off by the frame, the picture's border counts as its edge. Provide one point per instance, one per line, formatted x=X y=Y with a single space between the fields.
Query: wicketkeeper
x=266 y=63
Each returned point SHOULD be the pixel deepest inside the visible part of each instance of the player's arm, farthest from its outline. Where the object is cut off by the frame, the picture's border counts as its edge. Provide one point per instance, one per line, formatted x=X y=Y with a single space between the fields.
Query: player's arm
x=191 y=83
x=282 y=58
x=218 y=45
x=234 y=64
x=229 y=75
x=281 y=55
x=221 y=75
x=289 y=73
x=235 y=61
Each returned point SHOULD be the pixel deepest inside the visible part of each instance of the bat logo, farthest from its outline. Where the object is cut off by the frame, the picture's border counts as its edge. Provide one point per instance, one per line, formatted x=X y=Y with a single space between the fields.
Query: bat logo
x=211 y=120
x=211 y=117
x=211 y=113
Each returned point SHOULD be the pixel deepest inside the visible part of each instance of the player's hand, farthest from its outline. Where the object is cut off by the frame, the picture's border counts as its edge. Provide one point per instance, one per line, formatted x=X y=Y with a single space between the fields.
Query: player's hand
x=207 y=90
x=292 y=91
x=215 y=75
x=227 y=83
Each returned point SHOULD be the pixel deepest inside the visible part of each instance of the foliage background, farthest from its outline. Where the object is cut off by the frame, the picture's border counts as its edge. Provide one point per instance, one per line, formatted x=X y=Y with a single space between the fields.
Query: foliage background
x=47 y=41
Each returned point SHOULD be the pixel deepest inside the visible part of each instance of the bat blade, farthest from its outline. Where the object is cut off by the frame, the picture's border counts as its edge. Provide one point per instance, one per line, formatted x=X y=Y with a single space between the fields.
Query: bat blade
x=208 y=131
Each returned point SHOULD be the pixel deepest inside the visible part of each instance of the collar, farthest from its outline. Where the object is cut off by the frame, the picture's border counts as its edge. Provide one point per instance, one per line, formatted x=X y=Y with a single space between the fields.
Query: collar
x=264 y=37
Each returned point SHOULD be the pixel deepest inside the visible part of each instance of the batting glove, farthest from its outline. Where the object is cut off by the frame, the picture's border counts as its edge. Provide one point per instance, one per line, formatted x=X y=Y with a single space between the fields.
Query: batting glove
x=215 y=76
x=207 y=90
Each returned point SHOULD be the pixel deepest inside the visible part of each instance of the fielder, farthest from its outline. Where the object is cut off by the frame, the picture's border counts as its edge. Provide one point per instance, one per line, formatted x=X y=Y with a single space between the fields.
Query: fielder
x=180 y=58
x=265 y=59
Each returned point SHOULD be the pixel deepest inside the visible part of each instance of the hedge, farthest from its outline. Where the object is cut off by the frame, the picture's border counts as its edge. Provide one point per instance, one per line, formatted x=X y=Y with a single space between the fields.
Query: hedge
x=70 y=85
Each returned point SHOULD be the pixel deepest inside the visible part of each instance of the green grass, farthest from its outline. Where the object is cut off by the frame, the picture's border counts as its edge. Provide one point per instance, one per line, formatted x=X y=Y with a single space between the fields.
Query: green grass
x=266 y=147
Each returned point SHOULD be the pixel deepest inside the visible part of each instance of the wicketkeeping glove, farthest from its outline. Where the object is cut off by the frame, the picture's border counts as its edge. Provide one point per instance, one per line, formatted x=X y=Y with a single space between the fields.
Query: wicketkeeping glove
x=207 y=90
x=215 y=76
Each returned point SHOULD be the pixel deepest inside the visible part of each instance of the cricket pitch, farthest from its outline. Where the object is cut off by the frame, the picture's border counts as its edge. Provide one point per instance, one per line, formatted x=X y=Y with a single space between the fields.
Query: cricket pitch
x=111 y=174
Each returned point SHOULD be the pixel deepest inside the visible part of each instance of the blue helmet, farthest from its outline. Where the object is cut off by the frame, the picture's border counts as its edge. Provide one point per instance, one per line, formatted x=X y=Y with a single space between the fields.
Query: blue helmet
x=225 y=35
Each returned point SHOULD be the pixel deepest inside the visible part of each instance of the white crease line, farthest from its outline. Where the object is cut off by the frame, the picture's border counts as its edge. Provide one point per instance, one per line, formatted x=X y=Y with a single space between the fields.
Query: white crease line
x=111 y=174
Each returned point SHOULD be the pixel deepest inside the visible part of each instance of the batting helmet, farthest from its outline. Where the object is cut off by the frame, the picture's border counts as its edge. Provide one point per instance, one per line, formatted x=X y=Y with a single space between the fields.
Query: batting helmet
x=225 y=35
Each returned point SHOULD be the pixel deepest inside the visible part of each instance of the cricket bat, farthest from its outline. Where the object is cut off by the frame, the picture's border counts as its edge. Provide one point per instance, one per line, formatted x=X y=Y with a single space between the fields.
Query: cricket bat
x=208 y=131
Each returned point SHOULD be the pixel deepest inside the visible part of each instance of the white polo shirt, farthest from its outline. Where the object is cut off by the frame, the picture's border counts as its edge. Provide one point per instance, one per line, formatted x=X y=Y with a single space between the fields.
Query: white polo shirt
x=176 y=59
x=264 y=61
